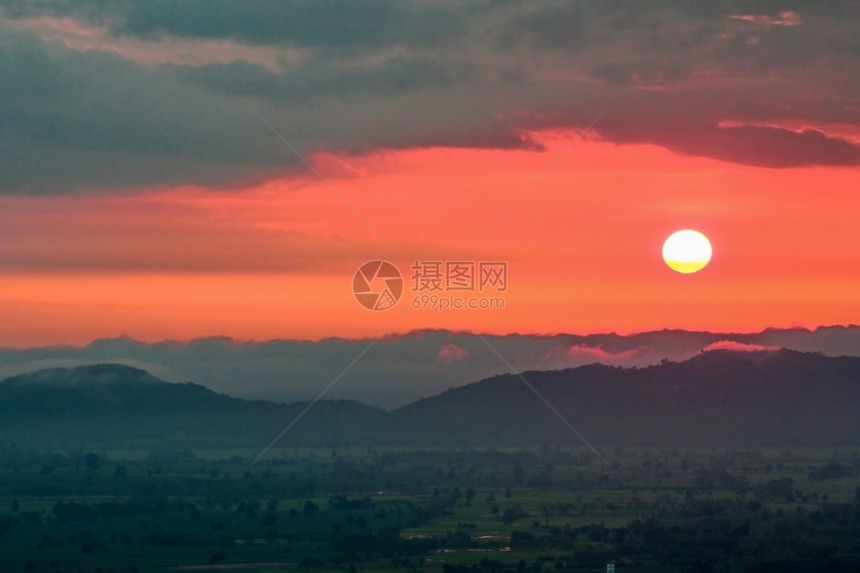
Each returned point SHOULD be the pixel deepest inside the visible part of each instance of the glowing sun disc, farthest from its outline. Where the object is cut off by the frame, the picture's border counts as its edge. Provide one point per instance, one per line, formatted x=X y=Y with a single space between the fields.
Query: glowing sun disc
x=687 y=251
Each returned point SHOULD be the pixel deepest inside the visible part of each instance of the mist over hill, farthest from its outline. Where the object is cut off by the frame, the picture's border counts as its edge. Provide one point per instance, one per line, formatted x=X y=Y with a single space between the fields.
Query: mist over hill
x=718 y=398
x=115 y=406
x=400 y=369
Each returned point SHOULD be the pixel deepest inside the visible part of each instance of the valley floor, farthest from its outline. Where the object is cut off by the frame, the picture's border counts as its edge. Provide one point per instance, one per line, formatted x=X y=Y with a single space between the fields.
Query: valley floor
x=445 y=510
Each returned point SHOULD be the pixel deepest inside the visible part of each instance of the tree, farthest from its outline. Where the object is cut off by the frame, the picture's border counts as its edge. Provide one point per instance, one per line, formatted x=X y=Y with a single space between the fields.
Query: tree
x=518 y=473
x=522 y=540
x=92 y=461
x=512 y=514
x=310 y=508
x=271 y=534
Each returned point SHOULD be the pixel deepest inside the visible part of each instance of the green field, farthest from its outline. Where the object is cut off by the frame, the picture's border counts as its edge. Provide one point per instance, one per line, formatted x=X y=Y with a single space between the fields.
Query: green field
x=359 y=509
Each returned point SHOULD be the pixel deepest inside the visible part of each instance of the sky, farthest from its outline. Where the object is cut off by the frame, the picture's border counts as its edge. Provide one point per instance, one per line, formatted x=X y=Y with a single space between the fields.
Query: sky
x=186 y=169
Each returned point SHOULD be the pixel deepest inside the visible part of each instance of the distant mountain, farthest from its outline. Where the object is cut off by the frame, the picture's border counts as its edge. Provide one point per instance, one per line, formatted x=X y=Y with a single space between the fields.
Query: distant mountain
x=718 y=398
x=111 y=405
x=399 y=369
x=103 y=376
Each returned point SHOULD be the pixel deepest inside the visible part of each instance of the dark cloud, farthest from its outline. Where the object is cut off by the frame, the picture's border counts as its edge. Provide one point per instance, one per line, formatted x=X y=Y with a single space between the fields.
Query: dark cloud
x=89 y=9
x=762 y=146
x=338 y=24
x=335 y=24
x=766 y=146
x=387 y=74
x=391 y=78
x=71 y=120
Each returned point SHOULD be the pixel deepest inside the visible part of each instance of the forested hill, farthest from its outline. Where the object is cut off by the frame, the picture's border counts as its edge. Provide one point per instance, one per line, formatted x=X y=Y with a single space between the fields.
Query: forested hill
x=718 y=398
x=111 y=405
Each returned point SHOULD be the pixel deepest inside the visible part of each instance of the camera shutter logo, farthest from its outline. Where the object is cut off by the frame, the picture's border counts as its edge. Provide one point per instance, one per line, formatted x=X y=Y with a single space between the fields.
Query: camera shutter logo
x=377 y=285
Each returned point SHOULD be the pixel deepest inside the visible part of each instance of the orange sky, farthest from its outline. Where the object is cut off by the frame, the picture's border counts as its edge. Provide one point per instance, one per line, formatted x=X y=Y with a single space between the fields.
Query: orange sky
x=153 y=184
x=582 y=245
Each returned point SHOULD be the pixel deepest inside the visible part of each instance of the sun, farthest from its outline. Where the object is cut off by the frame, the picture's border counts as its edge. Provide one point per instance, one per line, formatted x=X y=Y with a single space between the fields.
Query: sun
x=687 y=251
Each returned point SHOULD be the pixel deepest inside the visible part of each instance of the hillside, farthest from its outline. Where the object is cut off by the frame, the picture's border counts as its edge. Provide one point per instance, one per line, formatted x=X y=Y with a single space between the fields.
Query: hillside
x=718 y=398
x=401 y=368
x=112 y=405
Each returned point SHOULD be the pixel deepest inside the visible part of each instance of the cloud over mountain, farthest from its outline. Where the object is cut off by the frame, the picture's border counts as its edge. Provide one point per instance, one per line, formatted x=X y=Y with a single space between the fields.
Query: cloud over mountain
x=399 y=369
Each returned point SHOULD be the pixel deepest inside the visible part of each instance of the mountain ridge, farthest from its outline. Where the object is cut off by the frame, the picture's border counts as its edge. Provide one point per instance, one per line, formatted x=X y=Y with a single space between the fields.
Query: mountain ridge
x=401 y=368
x=717 y=398
x=94 y=375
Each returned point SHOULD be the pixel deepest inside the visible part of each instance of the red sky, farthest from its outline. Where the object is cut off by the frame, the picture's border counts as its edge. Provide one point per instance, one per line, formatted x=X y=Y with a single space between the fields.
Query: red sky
x=161 y=206
x=582 y=245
